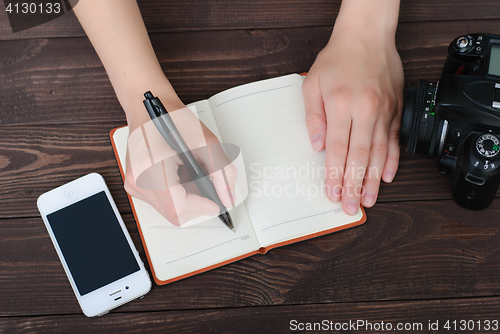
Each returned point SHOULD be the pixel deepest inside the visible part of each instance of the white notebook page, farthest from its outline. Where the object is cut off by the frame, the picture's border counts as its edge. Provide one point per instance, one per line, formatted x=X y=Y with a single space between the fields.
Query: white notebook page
x=176 y=251
x=286 y=196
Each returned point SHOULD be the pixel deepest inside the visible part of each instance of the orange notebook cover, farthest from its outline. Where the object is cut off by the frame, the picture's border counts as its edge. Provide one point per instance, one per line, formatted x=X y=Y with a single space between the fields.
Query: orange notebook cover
x=265 y=220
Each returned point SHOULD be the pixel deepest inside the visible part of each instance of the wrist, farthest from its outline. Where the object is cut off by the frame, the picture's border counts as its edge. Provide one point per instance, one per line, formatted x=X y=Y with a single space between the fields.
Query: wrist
x=131 y=99
x=368 y=19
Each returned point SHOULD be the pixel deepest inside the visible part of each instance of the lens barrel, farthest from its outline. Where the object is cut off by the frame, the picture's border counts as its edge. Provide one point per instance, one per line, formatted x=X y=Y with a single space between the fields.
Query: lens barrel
x=421 y=129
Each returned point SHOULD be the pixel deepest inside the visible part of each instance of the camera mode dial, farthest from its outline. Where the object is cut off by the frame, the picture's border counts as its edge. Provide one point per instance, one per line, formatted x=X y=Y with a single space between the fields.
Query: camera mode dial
x=487 y=145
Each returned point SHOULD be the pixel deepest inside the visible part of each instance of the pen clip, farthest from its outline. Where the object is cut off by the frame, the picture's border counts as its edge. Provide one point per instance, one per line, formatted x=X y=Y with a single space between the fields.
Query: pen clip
x=163 y=129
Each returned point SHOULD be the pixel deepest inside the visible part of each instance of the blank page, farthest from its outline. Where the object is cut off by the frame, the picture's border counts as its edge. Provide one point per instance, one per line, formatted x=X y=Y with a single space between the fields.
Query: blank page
x=286 y=199
x=175 y=251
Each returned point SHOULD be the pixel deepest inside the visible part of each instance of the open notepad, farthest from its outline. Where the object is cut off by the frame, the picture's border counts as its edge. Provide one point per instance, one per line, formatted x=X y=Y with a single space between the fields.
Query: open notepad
x=286 y=198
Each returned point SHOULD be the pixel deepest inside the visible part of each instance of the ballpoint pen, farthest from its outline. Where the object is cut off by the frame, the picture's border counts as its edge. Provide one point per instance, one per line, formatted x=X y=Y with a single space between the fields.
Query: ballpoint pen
x=165 y=125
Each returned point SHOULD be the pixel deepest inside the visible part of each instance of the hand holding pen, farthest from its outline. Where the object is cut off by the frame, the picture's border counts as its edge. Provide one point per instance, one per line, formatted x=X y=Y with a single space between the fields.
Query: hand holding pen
x=176 y=201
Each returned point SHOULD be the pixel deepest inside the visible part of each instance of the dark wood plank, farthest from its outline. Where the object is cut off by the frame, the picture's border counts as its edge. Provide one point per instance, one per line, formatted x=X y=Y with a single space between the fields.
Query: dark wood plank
x=66 y=25
x=33 y=95
x=373 y=317
x=161 y=16
x=62 y=81
x=64 y=77
x=35 y=159
x=57 y=78
x=406 y=251
x=28 y=240
x=419 y=257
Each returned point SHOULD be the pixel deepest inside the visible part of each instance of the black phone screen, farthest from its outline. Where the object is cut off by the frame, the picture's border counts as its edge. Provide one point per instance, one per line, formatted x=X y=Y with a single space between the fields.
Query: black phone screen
x=92 y=243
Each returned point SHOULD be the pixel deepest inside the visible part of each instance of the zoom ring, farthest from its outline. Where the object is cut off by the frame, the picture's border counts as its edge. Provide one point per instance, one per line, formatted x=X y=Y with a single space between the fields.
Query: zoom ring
x=418 y=111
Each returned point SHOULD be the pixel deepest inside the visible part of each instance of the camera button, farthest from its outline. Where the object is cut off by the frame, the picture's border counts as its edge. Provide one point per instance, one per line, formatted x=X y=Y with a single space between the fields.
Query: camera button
x=471 y=194
x=479 y=50
x=496 y=97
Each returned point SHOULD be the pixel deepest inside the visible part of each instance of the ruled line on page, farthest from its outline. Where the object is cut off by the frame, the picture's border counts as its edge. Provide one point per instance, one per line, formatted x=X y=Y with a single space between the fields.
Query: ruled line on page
x=262 y=91
x=290 y=221
x=243 y=237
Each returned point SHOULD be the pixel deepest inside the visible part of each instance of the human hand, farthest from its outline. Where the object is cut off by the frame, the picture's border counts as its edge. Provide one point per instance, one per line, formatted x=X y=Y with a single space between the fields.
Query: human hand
x=353 y=97
x=121 y=40
x=154 y=171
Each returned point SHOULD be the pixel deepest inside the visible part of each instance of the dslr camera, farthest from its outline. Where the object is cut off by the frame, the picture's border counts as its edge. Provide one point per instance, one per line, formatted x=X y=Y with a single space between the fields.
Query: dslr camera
x=458 y=119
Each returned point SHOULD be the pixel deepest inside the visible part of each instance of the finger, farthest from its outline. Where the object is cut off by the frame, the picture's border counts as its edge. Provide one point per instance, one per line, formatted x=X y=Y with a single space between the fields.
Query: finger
x=184 y=208
x=178 y=203
x=392 y=161
x=196 y=206
x=315 y=113
x=160 y=200
x=174 y=203
x=223 y=173
x=337 y=145
x=130 y=186
x=225 y=183
x=378 y=156
x=356 y=163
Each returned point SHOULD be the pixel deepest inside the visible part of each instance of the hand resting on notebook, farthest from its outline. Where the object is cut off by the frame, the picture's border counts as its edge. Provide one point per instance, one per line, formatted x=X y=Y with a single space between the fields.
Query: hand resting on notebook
x=353 y=96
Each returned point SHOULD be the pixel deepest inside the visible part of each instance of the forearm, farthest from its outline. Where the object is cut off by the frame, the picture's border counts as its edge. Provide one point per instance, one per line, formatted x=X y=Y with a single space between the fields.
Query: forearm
x=118 y=34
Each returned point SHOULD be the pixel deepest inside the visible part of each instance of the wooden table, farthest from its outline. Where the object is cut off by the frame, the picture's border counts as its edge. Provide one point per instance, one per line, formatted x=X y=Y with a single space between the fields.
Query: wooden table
x=419 y=259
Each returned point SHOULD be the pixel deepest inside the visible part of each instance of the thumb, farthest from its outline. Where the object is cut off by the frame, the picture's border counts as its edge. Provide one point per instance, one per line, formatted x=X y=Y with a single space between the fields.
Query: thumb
x=200 y=206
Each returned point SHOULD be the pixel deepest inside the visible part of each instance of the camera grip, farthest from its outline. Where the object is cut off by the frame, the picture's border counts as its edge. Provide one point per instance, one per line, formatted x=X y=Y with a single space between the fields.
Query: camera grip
x=475 y=181
x=474 y=196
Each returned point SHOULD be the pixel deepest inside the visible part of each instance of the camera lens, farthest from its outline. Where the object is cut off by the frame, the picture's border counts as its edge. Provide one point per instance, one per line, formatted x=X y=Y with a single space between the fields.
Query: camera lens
x=422 y=131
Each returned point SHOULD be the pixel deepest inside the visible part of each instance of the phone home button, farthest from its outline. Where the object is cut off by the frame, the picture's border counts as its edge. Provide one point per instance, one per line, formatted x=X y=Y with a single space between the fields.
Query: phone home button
x=71 y=193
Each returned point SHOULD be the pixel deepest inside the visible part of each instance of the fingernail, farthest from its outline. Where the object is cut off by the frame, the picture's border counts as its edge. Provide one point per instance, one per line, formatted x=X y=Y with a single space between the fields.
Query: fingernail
x=232 y=194
x=336 y=193
x=317 y=141
x=370 y=199
x=389 y=176
x=352 y=207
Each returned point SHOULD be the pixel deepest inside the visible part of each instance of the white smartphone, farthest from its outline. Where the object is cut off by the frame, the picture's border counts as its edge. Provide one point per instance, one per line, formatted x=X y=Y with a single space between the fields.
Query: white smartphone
x=96 y=251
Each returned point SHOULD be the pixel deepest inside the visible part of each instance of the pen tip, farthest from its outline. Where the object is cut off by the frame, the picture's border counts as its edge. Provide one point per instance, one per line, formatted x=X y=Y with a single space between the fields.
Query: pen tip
x=226 y=219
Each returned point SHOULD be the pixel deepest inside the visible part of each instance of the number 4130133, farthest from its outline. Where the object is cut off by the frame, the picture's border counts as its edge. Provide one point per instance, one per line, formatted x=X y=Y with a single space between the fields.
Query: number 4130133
x=33 y=8
x=471 y=325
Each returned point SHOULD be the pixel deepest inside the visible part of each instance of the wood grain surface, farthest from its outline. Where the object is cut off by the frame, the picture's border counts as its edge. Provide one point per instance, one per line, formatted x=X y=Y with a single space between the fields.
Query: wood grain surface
x=417 y=316
x=406 y=251
x=47 y=81
x=189 y=15
x=419 y=258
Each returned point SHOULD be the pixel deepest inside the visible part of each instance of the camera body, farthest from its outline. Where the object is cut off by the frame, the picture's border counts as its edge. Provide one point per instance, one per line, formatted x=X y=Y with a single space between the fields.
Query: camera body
x=458 y=119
